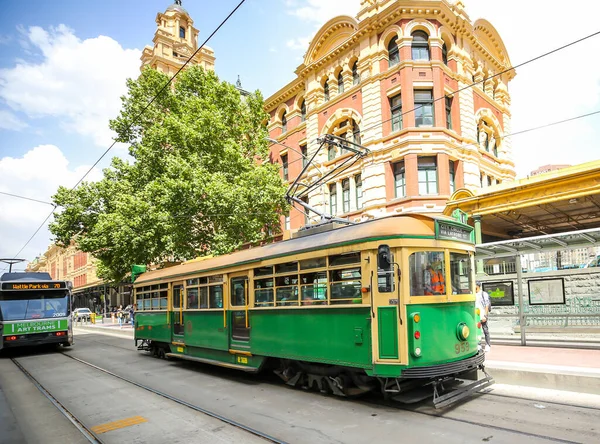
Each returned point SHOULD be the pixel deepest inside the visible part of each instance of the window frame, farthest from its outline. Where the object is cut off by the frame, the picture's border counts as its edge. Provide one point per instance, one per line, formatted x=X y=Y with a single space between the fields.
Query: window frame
x=445 y=54
x=284 y=122
x=285 y=166
x=421 y=105
x=428 y=164
x=340 y=82
x=333 y=199
x=452 y=175
x=358 y=192
x=419 y=48
x=355 y=74
x=326 y=91
x=346 y=195
x=304 y=152
x=399 y=171
x=448 y=101
x=181 y=32
x=303 y=111
x=396 y=112
x=393 y=53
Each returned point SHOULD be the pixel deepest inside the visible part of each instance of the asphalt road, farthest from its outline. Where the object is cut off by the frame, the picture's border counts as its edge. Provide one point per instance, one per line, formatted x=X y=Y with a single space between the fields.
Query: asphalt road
x=292 y=415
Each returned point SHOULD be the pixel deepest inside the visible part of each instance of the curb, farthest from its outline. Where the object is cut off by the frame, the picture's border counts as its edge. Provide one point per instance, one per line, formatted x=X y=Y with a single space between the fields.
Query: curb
x=125 y=334
x=556 y=377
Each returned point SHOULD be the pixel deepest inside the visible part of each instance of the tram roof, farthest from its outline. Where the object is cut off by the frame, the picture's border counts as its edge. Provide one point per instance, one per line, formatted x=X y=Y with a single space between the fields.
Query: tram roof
x=413 y=226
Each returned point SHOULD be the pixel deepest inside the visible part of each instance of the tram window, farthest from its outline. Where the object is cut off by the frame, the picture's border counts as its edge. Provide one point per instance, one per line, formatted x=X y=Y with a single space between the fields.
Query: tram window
x=345 y=286
x=263 y=292
x=385 y=269
x=286 y=292
x=177 y=297
x=314 y=288
x=203 y=280
x=288 y=267
x=203 y=297
x=163 y=303
x=215 y=293
x=155 y=303
x=344 y=259
x=427 y=273
x=461 y=273
x=263 y=271
x=192 y=298
x=191 y=282
x=147 y=303
x=318 y=262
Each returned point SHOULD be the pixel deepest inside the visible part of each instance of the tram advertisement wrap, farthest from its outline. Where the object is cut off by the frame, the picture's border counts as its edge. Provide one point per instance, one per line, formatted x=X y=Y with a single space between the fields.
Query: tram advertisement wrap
x=42 y=326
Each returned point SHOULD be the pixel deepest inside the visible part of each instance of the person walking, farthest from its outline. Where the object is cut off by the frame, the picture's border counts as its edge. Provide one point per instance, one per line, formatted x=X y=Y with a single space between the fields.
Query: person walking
x=484 y=304
x=120 y=316
x=131 y=314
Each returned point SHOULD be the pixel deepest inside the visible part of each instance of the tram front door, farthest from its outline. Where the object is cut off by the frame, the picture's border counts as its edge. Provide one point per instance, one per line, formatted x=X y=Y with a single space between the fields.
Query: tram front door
x=240 y=322
x=178 y=321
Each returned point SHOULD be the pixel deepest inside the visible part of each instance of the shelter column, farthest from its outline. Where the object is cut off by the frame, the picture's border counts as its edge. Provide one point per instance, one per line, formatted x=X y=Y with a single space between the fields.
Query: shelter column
x=478 y=263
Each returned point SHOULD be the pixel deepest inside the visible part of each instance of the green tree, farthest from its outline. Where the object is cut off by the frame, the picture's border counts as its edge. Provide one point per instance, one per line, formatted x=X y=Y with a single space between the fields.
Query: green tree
x=199 y=183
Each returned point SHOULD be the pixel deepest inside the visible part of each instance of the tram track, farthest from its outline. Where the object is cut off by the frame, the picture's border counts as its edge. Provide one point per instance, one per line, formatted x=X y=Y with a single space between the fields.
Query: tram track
x=196 y=408
x=419 y=408
x=85 y=431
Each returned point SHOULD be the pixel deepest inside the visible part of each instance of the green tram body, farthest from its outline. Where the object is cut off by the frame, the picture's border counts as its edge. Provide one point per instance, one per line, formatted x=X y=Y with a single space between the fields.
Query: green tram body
x=327 y=310
x=34 y=310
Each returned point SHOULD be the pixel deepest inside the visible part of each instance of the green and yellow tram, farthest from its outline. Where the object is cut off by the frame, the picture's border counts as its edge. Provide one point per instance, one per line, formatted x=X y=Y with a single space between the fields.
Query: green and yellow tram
x=384 y=305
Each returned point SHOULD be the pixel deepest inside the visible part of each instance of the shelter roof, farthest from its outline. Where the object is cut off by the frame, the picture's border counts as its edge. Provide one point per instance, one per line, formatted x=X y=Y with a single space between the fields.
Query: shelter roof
x=554 y=202
x=538 y=244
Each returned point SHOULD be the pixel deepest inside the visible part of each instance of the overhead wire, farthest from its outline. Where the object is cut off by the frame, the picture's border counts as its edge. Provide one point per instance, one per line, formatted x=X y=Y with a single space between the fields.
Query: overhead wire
x=27 y=198
x=137 y=116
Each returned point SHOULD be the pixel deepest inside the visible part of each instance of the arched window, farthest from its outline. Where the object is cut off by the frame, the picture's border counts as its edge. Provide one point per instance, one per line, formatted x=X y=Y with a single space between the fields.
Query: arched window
x=445 y=54
x=420 y=46
x=326 y=91
x=340 y=80
x=284 y=122
x=355 y=75
x=303 y=111
x=393 y=53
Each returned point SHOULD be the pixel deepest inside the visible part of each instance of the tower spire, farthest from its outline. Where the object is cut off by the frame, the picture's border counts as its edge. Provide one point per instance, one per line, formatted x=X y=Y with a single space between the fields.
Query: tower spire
x=178 y=2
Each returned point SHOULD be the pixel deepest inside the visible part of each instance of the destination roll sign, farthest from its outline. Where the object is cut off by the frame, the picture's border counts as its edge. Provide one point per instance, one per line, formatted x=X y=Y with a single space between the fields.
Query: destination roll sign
x=453 y=232
x=15 y=286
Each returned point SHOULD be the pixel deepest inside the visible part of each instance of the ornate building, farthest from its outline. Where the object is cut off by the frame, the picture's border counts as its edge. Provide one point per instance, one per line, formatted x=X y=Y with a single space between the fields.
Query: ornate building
x=175 y=40
x=396 y=80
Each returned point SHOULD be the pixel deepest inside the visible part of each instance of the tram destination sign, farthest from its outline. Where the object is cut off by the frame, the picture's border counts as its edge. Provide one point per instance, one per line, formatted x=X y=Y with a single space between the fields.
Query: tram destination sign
x=18 y=286
x=453 y=232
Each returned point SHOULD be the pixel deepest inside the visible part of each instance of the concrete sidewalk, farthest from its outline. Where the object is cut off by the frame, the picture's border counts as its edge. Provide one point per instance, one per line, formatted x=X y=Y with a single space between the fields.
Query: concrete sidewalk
x=546 y=367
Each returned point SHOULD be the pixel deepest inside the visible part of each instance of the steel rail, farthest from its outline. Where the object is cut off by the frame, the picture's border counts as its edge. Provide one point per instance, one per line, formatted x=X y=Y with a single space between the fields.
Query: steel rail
x=182 y=402
x=85 y=431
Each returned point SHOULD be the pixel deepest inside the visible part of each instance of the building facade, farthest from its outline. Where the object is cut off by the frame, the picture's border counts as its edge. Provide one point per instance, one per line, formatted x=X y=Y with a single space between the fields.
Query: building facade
x=396 y=79
x=175 y=40
x=548 y=168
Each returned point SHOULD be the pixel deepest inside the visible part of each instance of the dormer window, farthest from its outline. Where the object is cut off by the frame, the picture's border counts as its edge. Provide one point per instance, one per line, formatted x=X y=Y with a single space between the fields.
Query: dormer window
x=181 y=32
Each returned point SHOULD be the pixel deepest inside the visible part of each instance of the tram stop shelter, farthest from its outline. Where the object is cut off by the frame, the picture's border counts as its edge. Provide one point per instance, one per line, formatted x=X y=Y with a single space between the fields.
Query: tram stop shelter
x=555 y=211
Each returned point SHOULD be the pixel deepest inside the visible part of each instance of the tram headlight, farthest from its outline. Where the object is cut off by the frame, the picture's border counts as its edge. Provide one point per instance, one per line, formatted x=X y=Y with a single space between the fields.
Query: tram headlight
x=462 y=331
x=418 y=351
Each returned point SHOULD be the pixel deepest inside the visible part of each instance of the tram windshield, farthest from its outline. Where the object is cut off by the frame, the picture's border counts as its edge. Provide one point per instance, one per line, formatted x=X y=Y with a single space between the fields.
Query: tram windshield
x=16 y=306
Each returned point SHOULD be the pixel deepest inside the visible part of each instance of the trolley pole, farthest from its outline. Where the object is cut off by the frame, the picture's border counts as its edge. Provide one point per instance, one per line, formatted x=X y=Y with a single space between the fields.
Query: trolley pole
x=11 y=262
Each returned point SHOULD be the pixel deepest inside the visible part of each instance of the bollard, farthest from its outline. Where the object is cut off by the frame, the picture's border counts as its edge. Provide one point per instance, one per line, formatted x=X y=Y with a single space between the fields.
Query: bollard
x=93 y=318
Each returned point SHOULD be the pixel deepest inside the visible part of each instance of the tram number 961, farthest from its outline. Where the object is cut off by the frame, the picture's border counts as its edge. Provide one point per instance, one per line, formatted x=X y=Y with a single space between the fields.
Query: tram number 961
x=461 y=347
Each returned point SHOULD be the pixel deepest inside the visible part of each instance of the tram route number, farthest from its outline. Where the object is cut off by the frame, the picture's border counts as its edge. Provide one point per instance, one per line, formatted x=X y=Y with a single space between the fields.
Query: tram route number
x=242 y=360
x=461 y=347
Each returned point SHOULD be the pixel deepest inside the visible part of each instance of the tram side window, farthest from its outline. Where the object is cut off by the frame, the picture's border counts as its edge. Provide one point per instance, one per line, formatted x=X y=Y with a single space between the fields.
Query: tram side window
x=205 y=292
x=263 y=292
x=427 y=273
x=461 y=269
x=313 y=288
x=151 y=297
x=385 y=269
x=345 y=286
x=286 y=292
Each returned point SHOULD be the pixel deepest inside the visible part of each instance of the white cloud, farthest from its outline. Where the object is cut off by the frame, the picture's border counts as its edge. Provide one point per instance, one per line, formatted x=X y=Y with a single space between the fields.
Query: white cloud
x=36 y=175
x=319 y=11
x=9 y=121
x=78 y=81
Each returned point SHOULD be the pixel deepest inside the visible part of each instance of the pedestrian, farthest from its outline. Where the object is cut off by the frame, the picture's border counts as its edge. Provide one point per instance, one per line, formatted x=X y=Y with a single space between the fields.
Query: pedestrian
x=120 y=316
x=131 y=314
x=483 y=303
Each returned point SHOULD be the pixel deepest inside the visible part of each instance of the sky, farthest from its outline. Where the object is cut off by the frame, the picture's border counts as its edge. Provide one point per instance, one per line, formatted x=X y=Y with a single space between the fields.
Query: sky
x=63 y=66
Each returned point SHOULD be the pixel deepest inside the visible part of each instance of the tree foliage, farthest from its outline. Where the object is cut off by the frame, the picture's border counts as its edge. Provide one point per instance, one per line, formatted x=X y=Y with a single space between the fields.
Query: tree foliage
x=199 y=181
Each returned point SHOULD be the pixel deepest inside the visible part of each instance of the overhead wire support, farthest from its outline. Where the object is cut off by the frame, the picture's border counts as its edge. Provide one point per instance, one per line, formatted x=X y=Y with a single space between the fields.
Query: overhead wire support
x=137 y=117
